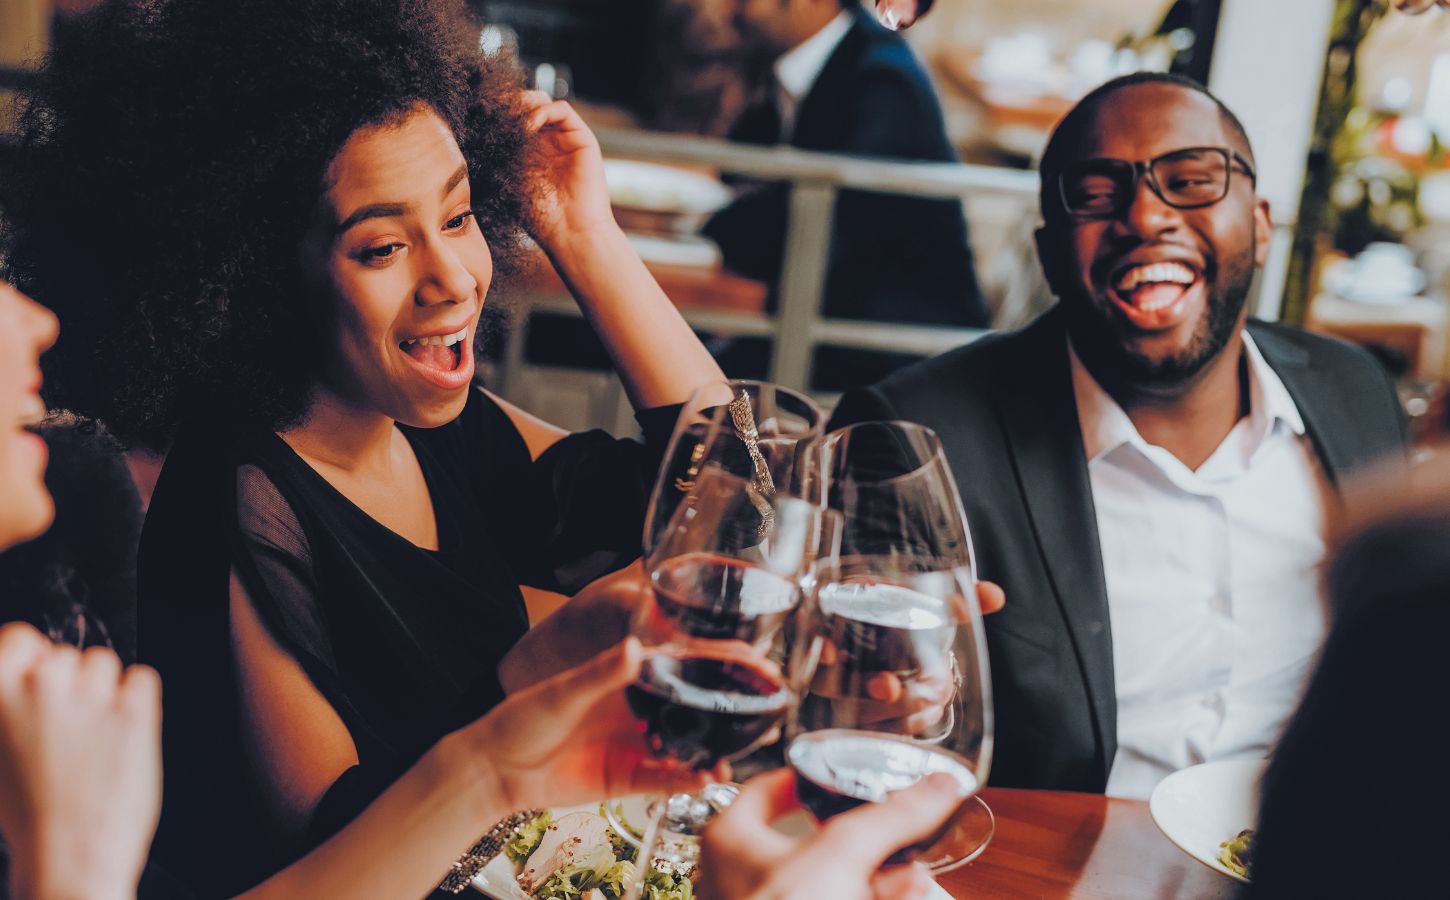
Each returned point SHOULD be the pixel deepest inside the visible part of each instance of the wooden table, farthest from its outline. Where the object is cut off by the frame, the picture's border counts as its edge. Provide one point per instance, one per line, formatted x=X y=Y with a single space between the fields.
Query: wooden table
x=1056 y=845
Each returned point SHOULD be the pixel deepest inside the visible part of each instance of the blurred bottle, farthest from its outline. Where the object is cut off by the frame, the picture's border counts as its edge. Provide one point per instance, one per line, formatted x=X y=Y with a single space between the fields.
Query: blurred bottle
x=553 y=79
x=901 y=14
x=498 y=40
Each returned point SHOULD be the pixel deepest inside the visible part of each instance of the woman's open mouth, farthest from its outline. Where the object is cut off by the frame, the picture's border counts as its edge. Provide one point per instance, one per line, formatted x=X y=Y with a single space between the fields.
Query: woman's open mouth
x=443 y=359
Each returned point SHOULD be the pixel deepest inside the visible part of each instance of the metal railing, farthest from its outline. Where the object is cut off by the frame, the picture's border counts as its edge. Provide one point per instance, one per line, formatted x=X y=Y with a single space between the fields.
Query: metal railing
x=797 y=328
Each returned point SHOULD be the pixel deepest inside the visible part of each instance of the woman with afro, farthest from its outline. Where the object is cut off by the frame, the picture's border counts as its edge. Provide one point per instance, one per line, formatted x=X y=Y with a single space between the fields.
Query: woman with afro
x=269 y=229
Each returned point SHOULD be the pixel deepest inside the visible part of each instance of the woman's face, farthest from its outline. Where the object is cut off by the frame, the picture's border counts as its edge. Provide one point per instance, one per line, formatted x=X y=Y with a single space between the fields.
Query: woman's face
x=26 y=331
x=396 y=246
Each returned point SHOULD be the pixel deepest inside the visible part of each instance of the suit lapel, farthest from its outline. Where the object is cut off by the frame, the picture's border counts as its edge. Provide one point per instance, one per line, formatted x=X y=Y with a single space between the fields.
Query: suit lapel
x=1328 y=423
x=1039 y=417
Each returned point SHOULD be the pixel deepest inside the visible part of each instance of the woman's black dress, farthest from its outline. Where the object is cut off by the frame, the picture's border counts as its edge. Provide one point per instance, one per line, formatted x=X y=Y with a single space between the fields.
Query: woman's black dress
x=403 y=642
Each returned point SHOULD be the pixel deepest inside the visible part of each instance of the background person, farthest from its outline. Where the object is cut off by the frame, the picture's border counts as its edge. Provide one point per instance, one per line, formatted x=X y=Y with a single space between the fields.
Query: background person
x=841 y=83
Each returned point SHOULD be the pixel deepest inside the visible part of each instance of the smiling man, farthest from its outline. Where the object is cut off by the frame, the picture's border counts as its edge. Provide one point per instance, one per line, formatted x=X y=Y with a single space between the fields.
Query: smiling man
x=1145 y=470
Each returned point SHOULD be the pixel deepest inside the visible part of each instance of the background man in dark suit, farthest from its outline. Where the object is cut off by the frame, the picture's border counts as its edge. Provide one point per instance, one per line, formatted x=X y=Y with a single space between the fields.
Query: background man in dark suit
x=1145 y=471
x=841 y=83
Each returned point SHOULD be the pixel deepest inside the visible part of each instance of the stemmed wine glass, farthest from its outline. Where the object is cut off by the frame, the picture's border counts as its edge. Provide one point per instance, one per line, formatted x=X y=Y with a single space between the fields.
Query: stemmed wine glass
x=892 y=670
x=756 y=430
x=725 y=578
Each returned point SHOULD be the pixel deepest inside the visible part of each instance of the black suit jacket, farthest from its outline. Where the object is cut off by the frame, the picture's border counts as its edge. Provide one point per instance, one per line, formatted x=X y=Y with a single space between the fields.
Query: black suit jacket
x=892 y=257
x=1005 y=410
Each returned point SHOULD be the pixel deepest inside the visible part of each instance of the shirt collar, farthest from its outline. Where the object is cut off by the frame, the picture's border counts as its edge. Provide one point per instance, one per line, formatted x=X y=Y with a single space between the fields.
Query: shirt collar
x=1269 y=400
x=796 y=70
x=1106 y=427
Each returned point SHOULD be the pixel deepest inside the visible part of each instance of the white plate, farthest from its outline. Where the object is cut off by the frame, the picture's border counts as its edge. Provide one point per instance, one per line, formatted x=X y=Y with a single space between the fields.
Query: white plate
x=666 y=189
x=678 y=250
x=497 y=880
x=1201 y=807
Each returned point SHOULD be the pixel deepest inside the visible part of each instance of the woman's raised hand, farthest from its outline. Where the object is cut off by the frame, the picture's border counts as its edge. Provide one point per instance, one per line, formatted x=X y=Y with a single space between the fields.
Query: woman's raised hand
x=572 y=739
x=80 y=766
x=572 y=199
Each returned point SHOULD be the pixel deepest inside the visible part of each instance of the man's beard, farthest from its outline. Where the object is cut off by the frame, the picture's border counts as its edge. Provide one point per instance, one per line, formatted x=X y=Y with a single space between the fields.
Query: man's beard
x=1098 y=343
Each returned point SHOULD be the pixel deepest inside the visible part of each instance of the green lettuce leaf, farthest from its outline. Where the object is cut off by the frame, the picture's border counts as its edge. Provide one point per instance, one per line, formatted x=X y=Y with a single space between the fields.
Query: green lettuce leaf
x=527 y=839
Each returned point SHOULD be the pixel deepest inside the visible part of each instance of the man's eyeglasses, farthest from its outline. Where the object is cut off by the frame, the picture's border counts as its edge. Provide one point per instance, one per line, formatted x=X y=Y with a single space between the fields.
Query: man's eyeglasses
x=1184 y=179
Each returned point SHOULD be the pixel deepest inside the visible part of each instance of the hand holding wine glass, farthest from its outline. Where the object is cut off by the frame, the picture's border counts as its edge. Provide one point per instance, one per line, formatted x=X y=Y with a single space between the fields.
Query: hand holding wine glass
x=894 y=683
x=744 y=857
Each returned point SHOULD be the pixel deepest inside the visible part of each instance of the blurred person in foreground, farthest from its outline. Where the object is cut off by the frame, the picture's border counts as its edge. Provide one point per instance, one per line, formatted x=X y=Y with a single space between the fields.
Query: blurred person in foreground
x=1145 y=469
x=842 y=83
x=1345 y=799
x=80 y=749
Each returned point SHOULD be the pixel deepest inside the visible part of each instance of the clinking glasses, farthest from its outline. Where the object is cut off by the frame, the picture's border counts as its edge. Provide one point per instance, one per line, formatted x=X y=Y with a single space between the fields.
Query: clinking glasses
x=1184 y=179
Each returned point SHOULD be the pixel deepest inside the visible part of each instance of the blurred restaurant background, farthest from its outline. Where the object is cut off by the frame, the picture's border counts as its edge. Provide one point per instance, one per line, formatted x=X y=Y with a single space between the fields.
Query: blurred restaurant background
x=1347 y=102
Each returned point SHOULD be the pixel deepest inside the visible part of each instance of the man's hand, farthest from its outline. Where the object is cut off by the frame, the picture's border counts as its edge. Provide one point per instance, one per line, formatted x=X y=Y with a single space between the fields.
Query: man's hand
x=910 y=705
x=990 y=597
x=743 y=857
x=80 y=766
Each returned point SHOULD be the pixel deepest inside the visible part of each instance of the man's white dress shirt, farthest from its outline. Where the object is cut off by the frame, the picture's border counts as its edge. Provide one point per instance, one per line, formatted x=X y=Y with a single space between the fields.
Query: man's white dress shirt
x=1212 y=576
x=797 y=69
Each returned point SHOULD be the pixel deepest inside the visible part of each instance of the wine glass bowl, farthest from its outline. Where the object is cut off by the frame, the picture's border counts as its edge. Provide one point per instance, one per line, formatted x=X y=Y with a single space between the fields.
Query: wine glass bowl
x=893 y=680
x=725 y=577
x=758 y=431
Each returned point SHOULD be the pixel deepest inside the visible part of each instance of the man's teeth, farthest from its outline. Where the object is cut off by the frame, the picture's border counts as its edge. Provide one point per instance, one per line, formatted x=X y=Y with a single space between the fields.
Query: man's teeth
x=1155 y=273
x=444 y=340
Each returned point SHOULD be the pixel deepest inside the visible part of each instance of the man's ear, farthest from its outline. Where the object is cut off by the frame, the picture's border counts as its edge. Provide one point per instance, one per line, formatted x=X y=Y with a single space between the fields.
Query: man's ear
x=1263 y=231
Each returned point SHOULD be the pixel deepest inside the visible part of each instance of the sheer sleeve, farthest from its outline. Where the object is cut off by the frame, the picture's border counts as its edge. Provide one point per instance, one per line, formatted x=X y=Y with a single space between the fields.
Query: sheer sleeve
x=275 y=563
x=576 y=512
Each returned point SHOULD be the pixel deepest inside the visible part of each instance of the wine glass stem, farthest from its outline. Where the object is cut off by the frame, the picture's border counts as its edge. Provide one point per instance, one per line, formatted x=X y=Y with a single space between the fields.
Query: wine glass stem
x=648 y=844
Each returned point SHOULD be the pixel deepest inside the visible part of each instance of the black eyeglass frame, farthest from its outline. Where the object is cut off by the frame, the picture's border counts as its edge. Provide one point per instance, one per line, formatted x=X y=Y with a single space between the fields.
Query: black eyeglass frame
x=1144 y=168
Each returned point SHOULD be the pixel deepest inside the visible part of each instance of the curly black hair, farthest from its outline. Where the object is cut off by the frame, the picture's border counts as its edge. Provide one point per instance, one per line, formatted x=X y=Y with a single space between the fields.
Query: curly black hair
x=171 y=155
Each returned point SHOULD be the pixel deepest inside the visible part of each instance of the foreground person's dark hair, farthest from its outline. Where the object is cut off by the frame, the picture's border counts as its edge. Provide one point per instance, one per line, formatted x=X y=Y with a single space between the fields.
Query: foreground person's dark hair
x=1362 y=759
x=171 y=157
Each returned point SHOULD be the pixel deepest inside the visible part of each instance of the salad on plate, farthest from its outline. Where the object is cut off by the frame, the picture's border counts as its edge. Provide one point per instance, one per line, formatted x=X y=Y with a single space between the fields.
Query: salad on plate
x=577 y=856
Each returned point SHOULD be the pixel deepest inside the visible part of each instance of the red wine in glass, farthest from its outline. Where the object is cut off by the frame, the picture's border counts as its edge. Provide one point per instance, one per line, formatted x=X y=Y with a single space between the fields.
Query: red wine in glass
x=702 y=709
x=839 y=769
x=709 y=695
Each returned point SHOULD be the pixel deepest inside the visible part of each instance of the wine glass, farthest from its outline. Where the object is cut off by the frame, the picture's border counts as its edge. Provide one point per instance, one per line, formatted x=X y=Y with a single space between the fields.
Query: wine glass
x=756 y=430
x=725 y=579
x=893 y=681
